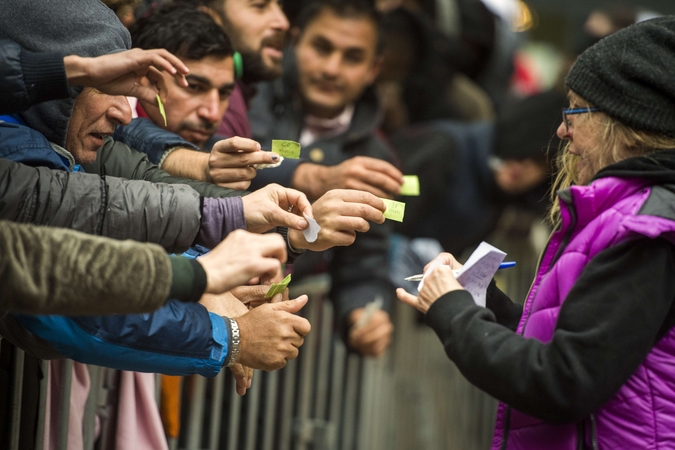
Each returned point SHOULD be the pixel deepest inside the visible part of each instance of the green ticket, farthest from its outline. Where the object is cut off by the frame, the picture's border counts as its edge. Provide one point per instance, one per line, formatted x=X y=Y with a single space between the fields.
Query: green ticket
x=411 y=186
x=278 y=288
x=287 y=149
x=395 y=210
x=161 y=108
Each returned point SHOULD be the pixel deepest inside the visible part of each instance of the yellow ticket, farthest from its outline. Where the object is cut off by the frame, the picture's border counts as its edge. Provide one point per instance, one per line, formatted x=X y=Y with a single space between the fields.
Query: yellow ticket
x=395 y=210
x=411 y=186
x=161 y=108
x=287 y=149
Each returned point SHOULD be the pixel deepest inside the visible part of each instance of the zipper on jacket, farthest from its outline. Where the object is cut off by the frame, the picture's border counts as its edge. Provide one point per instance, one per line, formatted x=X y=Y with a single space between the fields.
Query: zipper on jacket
x=594 y=433
x=507 y=424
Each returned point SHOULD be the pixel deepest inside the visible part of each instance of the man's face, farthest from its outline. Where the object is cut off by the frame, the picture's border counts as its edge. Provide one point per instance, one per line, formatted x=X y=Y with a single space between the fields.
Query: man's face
x=257 y=29
x=195 y=112
x=95 y=115
x=336 y=61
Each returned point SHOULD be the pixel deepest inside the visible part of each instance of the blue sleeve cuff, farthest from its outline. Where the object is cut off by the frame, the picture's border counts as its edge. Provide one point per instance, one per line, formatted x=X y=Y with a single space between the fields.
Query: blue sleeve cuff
x=138 y=342
x=220 y=336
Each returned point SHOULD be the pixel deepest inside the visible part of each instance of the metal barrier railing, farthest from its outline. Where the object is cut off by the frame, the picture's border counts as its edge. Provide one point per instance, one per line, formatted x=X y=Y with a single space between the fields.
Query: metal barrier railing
x=327 y=399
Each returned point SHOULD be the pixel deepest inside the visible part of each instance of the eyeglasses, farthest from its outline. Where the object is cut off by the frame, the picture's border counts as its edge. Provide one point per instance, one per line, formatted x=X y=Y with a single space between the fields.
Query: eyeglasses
x=571 y=111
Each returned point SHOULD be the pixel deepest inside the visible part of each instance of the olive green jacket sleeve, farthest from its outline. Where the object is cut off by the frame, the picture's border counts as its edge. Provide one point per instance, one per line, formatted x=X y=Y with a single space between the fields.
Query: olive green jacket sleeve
x=58 y=271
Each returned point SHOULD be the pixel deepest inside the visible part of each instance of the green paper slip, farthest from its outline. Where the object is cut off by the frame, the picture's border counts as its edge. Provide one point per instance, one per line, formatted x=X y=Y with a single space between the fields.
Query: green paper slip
x=278 y=288
x=161 y=109
x=287 y=149
x=411 y=186
x=395 y=210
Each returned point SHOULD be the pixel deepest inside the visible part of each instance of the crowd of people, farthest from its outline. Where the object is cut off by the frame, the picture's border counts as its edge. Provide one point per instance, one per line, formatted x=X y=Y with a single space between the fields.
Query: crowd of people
x=143 y=217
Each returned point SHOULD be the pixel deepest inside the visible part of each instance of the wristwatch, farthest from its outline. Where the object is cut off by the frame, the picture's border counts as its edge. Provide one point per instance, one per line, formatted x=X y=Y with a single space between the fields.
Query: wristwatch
x=234 y=343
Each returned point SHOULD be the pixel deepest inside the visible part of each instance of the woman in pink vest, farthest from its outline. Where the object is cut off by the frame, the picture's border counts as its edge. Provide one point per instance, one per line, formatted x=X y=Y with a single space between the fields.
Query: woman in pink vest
x=588 y=362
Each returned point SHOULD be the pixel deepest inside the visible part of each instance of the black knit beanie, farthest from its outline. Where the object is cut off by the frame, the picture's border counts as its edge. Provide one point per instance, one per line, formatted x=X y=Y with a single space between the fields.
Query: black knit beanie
x=630 y=75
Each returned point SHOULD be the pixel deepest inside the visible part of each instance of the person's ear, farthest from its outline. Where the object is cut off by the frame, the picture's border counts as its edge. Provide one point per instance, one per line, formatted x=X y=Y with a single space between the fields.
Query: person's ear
x=216 y=17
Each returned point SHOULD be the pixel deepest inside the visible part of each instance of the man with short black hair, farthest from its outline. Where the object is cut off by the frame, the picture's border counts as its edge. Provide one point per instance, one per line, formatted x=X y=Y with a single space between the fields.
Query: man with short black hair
x=195 y=112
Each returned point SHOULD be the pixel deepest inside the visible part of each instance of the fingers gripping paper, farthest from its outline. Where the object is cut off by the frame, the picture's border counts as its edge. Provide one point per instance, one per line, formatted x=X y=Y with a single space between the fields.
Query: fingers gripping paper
x=312 y=231
x=477 y=272
x=287 y=149
x=395 y=210
x=269 y=166
x=278 y=288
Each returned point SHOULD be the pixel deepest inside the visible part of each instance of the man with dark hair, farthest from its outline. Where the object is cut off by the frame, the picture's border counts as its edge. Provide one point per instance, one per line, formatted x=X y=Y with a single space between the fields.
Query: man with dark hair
x=207 y=51
x=194 y=112
x=325 y=102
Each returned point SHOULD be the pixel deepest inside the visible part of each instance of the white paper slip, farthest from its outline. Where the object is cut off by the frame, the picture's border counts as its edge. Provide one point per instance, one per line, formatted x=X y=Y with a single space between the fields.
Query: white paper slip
x=368 y=312
x=311 y=233
x=477 y=272
x=479 y=269
x=268 y=166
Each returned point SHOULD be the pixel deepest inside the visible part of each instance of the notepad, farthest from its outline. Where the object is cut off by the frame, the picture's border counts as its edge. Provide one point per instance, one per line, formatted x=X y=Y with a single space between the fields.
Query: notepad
x=395 y=210
x=411 y=186
x=278 y=288
x=287 y=149
x=477 y=272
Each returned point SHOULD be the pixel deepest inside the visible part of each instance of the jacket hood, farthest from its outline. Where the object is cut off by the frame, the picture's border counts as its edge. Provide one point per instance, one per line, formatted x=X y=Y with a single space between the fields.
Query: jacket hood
x=69 y=27
x=657 y=168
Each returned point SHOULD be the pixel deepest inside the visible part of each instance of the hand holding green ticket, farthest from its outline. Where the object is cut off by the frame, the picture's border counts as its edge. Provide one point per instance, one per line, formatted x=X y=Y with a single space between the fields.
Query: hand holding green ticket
x=395 y=210
x=278 y=288
x=287 y=149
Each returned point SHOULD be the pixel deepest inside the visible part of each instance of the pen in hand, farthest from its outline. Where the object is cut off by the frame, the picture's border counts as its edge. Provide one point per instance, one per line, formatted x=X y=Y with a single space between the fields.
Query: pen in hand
x=504 y=265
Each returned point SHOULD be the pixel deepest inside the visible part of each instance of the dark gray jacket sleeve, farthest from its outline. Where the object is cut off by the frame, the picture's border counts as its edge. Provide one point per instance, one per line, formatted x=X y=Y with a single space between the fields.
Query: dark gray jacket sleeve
x=166 y=214
x=118 y=159
x=27 y=78
x=41 y=272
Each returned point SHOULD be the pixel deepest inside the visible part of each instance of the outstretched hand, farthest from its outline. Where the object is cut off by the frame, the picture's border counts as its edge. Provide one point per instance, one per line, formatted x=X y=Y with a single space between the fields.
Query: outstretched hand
x=340 y=213
x=231 y=162
x=362 y=173
x=121 y=73
x=241 y=257
x=373 y=338
x=436 y=284
x=276 y=206
x=271 y=334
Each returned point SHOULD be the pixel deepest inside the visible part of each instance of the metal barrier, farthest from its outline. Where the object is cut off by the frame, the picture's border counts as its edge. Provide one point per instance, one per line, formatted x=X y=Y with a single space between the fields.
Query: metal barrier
x=328 y=398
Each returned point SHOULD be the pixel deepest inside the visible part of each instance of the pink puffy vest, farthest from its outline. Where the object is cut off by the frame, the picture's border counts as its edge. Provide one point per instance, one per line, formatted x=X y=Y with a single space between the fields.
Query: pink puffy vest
x=642 y=413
